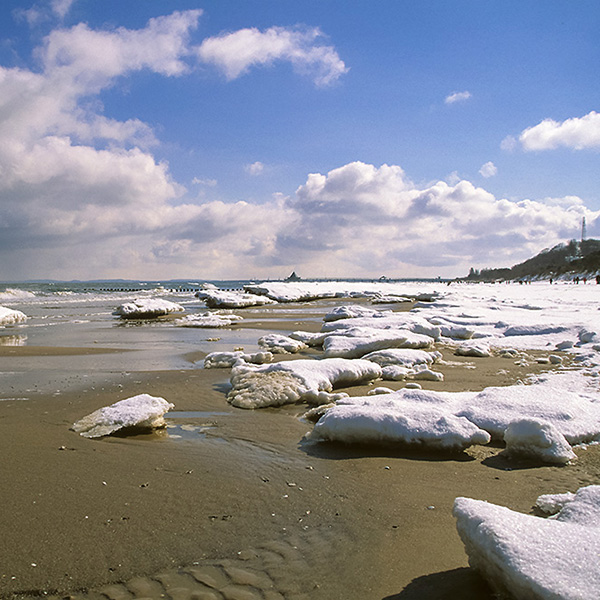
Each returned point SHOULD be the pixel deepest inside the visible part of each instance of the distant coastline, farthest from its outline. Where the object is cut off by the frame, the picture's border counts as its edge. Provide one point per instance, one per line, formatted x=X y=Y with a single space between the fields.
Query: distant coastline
x=574 y=260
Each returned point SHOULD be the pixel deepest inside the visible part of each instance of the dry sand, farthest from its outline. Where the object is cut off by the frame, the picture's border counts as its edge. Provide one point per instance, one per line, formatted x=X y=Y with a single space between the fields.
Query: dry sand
x=227 y=503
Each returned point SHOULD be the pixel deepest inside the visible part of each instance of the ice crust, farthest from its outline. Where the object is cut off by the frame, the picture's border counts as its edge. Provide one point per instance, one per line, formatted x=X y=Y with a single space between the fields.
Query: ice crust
x=8 y=316
x=534 y=558
x=301 y=380
x=147 y=308
x=142 y=411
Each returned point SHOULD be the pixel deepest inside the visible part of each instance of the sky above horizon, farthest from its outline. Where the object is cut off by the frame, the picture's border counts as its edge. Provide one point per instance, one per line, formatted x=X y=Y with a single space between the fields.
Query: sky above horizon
x=249 y=138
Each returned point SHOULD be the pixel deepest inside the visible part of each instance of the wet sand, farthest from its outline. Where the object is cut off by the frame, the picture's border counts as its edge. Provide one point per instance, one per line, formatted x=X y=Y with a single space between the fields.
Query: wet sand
x=227 y=503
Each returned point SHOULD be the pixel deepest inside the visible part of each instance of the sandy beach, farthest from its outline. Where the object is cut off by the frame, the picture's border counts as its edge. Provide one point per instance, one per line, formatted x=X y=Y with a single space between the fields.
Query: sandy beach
x=228 y=503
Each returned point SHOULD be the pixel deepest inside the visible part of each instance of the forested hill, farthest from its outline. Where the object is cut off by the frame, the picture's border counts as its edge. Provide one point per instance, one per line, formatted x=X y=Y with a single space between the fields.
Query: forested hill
x=576 y=258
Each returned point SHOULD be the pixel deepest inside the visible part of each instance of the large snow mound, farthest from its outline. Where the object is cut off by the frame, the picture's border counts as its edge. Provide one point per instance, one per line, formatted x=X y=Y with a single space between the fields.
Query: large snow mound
x=142 y=411
x=533 y=558
x=147 y=308
x=8 y=316
x=400 y=423
x=296 y=381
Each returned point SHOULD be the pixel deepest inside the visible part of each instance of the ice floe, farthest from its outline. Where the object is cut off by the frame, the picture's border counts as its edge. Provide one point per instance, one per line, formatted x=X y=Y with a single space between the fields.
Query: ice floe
x=147 y=308
x=536 y=558
x=225 y=360
x=8 y=316
x=140 y=412
x=294 y=381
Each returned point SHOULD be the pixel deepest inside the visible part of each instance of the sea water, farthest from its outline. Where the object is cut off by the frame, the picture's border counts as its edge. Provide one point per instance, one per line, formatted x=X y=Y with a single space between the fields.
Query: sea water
x=79 y=315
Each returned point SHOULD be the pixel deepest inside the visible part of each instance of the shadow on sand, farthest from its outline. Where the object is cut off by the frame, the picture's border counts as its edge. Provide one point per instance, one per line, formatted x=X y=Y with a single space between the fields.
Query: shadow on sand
x=458 y=584
x=340 y=451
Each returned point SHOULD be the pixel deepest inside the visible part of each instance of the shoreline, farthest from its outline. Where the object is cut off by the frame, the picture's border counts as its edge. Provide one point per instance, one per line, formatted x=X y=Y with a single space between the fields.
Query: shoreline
x=227 y=501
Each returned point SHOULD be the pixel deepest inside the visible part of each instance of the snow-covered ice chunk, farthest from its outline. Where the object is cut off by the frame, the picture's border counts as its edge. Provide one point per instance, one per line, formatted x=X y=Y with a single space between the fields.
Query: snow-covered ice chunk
x=224 y=299
x=375 y=423
x=538 y=439
x=352 y=311
x=395 y=372
x=281 y=344
x=209 y=320
x=534 y=558
x=142 y=411
x=361 y=341
x=378 y=391
x=475 y=349
x=552 y=503
x=296 y=381
x=406 y=357
x=205 y=289
x=427 y=375
x=307 y=337
x=226 y=360
x=147 y=308
x=575 y=413
x=8 y=316
x=390 y=321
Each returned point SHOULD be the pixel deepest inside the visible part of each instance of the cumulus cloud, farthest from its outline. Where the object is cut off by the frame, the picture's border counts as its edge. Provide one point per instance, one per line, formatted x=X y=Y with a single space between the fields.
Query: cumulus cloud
x=488 y=169
x=254 y=169
x=457 y=97
x=81 y=193
x=363 y=218
x=235 y=53
x=576 y=133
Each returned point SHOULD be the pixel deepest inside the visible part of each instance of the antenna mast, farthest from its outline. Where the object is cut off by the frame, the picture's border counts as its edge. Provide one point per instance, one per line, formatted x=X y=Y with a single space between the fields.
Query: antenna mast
x=583 y=231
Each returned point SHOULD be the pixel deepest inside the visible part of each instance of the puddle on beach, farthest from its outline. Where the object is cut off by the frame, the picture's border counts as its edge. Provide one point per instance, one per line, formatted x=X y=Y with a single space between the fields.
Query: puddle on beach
x=189 y=428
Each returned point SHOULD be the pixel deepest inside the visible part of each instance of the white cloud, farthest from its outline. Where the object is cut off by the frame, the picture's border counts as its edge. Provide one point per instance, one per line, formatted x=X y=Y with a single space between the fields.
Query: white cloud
x=255 y=169
x=508 y=144
x=489 y=169
x=457 y=97
x=235 y=53
x=206 y=182
x=61 y=7
x=576 y=133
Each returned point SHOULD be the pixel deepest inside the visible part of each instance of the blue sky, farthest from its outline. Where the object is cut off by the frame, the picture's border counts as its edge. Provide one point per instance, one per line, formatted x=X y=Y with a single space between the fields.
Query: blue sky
x=250 y=138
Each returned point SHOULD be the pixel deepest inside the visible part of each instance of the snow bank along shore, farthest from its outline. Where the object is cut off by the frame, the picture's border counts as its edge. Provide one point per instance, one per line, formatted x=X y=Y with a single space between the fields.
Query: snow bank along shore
x=539 y=420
